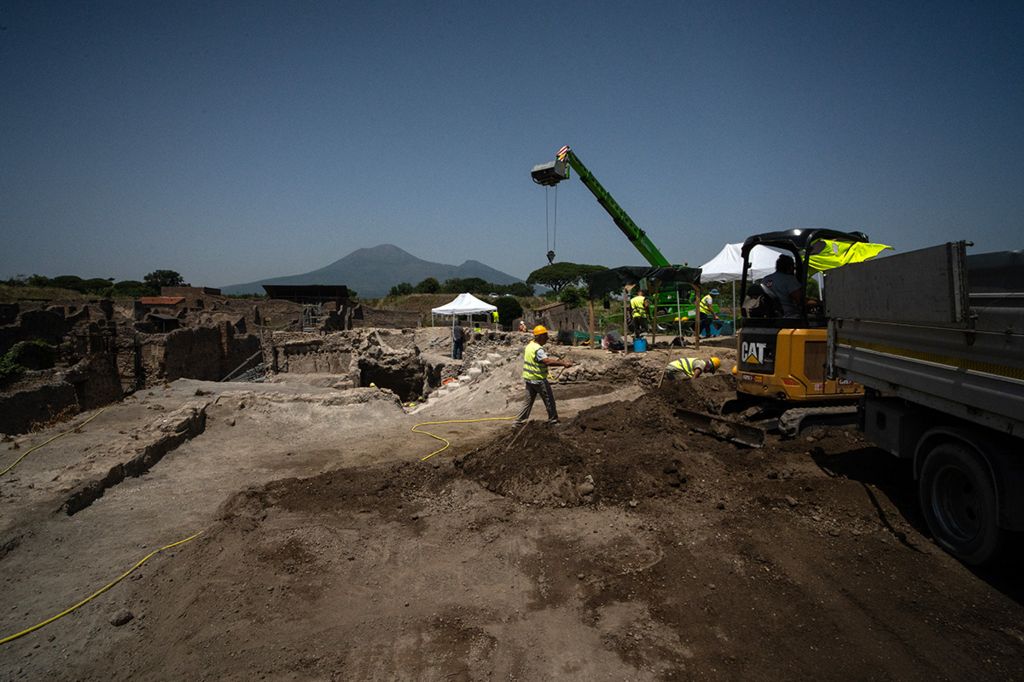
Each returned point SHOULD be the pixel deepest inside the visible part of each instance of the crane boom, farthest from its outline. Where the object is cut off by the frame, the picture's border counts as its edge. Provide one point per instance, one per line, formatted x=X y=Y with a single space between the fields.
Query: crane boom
x=552 y=173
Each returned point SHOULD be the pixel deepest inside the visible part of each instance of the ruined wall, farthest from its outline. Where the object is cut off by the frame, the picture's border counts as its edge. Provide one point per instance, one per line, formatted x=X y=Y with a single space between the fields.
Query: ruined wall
x=105 y=358
x=207 y=353
x=39 y=399
x=95 y=381
x=393 y=319
x=361 y=357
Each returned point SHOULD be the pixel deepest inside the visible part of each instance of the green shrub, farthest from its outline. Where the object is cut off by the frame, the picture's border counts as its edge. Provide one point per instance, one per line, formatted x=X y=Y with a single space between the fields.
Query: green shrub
x=25 y=355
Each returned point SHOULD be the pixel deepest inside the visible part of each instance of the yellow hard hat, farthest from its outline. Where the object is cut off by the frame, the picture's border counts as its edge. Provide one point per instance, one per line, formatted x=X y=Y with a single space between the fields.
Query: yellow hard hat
x=716 y=362
x=540 y=329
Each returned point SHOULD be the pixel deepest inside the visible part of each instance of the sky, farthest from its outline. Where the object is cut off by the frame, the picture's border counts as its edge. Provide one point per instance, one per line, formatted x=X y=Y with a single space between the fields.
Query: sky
x=239 y=140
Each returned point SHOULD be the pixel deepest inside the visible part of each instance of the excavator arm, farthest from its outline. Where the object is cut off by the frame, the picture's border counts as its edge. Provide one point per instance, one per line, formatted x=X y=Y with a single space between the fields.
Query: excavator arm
x=551 y=173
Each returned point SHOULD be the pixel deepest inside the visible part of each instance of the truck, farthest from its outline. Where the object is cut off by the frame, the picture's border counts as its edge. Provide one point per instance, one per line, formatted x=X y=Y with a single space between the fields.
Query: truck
x=670 y=306
x=936 y=338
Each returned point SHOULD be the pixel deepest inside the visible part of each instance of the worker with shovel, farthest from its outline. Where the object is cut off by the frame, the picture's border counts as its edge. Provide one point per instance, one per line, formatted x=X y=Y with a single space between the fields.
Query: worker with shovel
x=535 y=374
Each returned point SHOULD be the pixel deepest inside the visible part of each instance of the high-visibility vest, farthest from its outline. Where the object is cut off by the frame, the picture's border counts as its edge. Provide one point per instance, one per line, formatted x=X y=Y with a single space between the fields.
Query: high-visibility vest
x=705 y=306
x=533 y=369
x=684 y=365
x=494 y=315
x=636 y=304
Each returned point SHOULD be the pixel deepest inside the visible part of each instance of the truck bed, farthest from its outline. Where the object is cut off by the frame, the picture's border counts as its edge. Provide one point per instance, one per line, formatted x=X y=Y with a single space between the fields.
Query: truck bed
x=937 y=328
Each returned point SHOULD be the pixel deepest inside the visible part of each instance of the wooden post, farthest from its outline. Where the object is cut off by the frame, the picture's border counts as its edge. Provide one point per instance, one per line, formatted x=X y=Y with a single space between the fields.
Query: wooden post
x=625 y=322
x=590 y=304
x=696 y=318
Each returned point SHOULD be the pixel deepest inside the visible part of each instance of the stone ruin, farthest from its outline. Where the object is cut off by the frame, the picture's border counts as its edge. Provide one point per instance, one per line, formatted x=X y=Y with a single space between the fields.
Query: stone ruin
x=103 y=353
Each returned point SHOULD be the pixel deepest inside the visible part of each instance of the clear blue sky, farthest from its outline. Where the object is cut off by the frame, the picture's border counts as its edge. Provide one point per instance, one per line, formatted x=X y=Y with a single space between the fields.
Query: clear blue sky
x=233 y=141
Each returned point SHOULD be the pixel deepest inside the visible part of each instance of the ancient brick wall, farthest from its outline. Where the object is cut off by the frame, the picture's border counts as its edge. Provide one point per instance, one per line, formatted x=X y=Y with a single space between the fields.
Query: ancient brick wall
x=394 y=319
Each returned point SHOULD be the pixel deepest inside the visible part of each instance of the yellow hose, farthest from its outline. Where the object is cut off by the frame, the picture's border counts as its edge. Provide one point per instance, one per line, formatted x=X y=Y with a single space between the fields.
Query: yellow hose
x=59 y=435
x=11 y=638
x=451 y=421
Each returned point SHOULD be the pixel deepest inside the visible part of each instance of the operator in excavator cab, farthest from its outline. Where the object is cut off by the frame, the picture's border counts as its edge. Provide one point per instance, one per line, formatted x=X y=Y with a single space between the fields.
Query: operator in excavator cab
x=692 y=368
x=783 y=286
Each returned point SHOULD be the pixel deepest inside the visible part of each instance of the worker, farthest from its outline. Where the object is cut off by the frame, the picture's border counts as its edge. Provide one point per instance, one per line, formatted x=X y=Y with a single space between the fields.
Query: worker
x=522 y=325
x=707 y=312
x=458 y=341
x=494 y=318
x=692 y=368
x=783 y=286
x=640 y=309
x=535 y=373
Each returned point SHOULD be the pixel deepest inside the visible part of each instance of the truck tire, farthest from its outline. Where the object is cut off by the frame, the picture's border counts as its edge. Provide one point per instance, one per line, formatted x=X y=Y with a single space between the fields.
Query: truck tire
x=958 y=499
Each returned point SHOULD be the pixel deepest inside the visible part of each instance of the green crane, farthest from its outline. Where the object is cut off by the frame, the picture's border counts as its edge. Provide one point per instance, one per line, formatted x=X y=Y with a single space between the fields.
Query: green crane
x=551 y=173
x=671 y=307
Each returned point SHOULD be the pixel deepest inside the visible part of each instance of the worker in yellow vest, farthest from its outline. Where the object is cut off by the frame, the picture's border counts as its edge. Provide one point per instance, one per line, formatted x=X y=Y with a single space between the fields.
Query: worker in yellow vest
x=535 y=374
x=640 y=309
x=494 y=318
x=707 y=312
x=692 y=368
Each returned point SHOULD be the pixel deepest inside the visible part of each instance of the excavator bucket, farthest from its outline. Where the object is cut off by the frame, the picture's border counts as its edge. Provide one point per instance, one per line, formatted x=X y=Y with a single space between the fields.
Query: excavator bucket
x=550 y=173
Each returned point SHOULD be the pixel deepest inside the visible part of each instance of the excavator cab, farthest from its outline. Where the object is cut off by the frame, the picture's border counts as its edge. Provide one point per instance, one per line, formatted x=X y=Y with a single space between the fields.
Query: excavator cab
x=782 y=356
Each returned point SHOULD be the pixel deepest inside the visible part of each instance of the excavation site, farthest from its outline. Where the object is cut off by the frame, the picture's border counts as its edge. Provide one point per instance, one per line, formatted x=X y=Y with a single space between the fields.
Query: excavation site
x=365 y=508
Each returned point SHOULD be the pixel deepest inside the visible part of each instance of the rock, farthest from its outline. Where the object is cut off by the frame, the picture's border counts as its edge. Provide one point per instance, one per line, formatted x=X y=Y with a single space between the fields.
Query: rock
x=633 y=504
x=791 y=501
x=122 y=617
x=585 y=488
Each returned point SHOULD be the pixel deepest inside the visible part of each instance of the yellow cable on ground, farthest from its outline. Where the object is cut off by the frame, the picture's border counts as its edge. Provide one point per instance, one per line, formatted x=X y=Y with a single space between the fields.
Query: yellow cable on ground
x=98 y=592
x=452 y=421
x=59 y=435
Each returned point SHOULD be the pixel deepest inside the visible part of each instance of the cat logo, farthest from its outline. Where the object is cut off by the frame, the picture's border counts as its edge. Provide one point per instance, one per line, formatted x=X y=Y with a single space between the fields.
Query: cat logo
x=753 y=353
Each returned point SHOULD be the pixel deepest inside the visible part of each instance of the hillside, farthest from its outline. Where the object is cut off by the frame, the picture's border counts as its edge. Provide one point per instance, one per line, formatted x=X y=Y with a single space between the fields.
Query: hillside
x=372 y=272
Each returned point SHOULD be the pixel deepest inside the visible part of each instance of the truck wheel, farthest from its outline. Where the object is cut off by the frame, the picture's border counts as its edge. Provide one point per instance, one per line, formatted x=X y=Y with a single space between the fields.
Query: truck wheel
x=958 y=499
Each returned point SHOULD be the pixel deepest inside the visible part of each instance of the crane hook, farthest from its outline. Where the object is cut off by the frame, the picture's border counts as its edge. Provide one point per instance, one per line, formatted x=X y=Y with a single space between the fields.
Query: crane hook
x=551 y=257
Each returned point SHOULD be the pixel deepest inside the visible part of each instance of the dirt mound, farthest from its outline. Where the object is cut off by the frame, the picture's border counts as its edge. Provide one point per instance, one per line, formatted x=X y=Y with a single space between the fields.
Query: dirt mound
x=617 y=453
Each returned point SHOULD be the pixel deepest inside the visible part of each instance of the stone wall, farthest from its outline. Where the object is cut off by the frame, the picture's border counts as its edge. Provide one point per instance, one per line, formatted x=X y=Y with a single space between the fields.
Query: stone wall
x=207 y=353
x=393 y=319
x=27 y=405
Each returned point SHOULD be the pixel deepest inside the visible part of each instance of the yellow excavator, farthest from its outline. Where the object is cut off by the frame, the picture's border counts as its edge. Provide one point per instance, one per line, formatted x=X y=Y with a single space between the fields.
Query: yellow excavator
x=782 y=336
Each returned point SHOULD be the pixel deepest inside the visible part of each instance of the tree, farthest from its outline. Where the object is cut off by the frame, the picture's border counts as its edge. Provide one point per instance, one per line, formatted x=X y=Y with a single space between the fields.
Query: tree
x=573 y=297
x=508 y=310
x=73 y=282
x=401 y=289
x=129 y=288
x=519 y=289
x=472 y=285
x=163 y=278
x=557 y=276
x=428 y=286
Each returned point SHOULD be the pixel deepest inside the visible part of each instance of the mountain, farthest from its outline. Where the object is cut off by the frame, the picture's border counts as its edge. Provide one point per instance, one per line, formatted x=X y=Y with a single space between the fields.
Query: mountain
x=372 y=272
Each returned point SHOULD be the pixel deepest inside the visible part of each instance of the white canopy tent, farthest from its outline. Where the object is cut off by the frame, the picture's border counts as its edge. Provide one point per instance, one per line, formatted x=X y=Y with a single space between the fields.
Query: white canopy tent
x=464 y=304
x=727 y=266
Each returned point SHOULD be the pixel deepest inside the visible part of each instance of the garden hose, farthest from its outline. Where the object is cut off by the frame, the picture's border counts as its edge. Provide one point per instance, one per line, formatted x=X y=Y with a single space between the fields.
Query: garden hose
x=11 y=638
x=59 y=435
x=451 y=421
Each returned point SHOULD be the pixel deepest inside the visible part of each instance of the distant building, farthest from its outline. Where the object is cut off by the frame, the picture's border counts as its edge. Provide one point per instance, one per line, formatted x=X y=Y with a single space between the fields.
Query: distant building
x=194 y=296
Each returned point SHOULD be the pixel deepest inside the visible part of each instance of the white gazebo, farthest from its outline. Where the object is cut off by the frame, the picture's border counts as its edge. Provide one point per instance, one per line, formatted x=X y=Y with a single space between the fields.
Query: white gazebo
x=464 y=304
x=727 y=266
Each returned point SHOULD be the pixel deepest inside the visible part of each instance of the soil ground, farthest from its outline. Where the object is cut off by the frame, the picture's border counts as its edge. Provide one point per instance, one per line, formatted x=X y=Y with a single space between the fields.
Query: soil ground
x=619 y=544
